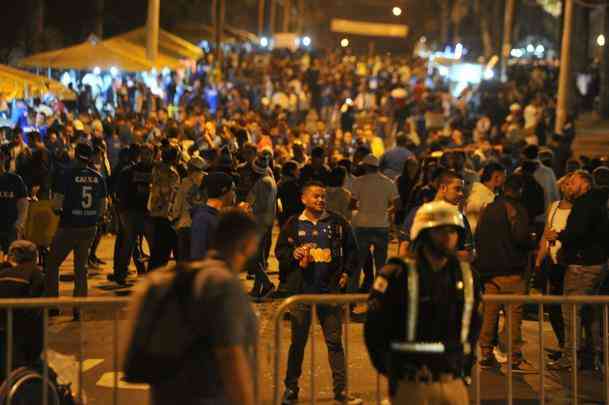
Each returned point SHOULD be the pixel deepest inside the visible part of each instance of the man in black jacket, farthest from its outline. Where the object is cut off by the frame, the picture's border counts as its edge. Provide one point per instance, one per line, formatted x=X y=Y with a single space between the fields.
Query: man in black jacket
x=316 y=250
x=504 y=242
x=584 y=251
x=20 y=277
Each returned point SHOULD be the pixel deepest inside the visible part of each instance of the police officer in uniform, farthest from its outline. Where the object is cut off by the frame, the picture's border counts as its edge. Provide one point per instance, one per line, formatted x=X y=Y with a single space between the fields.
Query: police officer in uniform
x=424 y=314
x=80 y=200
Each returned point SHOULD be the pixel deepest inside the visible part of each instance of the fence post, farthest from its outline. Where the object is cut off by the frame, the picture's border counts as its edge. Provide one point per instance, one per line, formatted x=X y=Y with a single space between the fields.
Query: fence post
x=81 y=356
x=542 y=366
x=346 y=338
x=574 y=329
x=312 y=328
x=477 y=374
x=9 y=343
x=606 y=350
x=45 y=357
x=508 y=310
x=115 y=357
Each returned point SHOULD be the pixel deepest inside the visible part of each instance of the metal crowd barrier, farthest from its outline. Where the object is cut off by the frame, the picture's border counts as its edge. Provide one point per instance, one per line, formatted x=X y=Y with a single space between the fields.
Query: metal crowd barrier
x=9 y=305
x=315 y=300
x=506 y=300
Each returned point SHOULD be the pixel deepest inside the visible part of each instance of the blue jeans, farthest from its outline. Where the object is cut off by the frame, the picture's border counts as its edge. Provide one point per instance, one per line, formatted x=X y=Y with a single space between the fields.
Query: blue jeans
x=366 y=238
x=66 y=240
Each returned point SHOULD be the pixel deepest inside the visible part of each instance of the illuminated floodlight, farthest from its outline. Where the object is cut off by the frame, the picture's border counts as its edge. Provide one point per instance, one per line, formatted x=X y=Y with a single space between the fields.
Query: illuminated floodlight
x=517 y=53
x=488 y=74
x=540 y=49
x=396 y=11
x=306 y=41
x=600 y=40
x=96 y=70
x=458 y=51
x=264 y=42
x=530 y=48
x=114 y=71
x=344 y=42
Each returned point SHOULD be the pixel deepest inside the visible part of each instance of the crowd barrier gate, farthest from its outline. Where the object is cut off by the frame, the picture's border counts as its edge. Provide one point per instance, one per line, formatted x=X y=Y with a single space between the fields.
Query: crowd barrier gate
x=116 y=304
x=506 y=300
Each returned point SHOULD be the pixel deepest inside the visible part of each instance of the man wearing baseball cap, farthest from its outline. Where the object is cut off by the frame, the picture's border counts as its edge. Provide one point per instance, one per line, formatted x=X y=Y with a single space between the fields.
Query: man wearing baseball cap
x=188 y=197
x=80 y=200
x=220 y=190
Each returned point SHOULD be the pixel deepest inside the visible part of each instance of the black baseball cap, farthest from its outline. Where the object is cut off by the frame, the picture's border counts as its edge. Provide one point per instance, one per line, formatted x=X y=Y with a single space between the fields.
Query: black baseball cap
x=217 y=184
x=84 y=151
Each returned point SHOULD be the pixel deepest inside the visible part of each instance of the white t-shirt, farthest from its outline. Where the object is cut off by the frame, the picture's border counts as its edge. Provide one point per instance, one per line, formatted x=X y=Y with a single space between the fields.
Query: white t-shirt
x=531 y=116
x=557 y=221
x=374 y=193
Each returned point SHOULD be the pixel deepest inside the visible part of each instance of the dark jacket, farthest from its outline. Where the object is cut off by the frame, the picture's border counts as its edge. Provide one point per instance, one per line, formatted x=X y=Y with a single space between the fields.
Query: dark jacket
x=23 y=281
x=310 y=173
x=204 y=223
x=441 y=298
x=288 y=191
x=584 y=240
x=344 y=252
x=503 y=240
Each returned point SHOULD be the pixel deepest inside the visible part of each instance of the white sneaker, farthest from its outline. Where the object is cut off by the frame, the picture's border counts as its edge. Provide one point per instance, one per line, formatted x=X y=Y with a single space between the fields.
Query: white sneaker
x=500 y=356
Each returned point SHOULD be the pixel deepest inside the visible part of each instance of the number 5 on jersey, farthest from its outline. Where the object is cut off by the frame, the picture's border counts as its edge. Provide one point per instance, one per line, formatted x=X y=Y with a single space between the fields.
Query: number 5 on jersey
x=87 y=197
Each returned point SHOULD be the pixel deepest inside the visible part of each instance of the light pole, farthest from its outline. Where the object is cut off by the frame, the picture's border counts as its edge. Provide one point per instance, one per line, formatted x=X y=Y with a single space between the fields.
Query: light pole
x=152 y=29
x=261 y=17
x=507 y=37
x=565 y=68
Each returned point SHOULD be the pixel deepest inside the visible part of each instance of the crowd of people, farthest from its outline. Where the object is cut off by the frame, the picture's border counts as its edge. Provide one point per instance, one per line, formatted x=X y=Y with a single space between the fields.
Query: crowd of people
x=344 y=154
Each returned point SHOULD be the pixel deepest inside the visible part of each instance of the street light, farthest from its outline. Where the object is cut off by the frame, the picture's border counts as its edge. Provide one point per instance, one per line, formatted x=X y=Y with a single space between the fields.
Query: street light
x=344 y=42
x=600 y=40
x=306 y=41
x=264 y=42
x=396 y=11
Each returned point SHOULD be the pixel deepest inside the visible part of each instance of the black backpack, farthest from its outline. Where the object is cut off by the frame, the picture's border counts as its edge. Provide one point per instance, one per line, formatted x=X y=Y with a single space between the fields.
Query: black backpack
x=161 y=335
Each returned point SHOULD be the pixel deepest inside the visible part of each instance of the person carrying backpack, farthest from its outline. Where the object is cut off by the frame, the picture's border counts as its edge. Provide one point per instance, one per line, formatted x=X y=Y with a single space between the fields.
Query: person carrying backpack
x=194 y=332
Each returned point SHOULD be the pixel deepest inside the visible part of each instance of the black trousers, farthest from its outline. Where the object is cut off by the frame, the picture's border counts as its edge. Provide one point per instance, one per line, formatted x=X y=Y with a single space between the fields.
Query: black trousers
x=555 y=276
x=257 y=265
x=164 y=242
x=330 y=318
x=184 y=244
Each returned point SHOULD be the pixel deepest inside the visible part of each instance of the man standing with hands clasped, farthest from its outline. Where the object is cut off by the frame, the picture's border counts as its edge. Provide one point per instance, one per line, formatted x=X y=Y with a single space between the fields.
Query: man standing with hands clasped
x=315 y=250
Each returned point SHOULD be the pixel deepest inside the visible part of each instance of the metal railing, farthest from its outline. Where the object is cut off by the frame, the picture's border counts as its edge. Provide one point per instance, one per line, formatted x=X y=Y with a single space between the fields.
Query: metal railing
x=46 y=304
x=573 y=301
x=116 y=304
x=506 y=300
x=314 y=300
